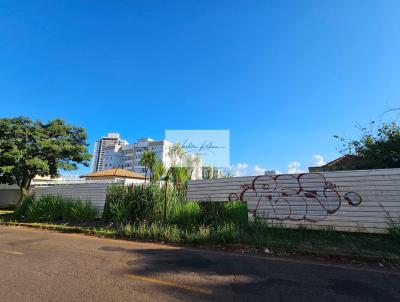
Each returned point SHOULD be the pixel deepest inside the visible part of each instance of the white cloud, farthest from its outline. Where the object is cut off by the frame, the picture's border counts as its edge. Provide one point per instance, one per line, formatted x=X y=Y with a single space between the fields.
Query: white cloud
x=242 y=166
x=294 y=167
x=240 y=169
x=258 y=170
x=317 y=161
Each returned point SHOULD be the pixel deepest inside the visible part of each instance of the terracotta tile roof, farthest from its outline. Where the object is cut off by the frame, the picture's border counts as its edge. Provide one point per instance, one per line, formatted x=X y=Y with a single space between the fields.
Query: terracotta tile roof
x=115 y=173
x=338 y=164
x=340 y=160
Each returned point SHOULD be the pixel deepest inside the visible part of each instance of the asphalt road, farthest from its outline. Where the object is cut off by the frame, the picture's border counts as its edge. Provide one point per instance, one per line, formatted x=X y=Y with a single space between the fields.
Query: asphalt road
x=46 y=266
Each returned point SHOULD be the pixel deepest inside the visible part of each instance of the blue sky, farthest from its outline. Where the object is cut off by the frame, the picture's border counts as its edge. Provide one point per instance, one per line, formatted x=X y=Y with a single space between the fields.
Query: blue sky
x=282 y=76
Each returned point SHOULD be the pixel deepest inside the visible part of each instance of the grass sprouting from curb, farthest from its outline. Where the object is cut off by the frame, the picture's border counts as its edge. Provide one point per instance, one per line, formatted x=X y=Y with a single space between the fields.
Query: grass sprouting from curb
x=302 y=241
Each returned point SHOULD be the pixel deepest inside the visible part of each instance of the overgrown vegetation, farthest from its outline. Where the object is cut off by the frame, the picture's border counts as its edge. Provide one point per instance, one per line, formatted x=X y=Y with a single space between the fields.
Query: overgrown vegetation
x=394 y=229
x=255 y=236
x=132 y=203
x=138 y=213
x=265 y=235
x=377 y=148
x=54 y=209
x=145 y=204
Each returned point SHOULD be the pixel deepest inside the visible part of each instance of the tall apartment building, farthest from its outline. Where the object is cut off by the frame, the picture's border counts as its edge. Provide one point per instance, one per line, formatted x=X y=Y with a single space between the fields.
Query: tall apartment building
x=112 y=140
x=128 y=156
x=112 y=152
x=160 y=148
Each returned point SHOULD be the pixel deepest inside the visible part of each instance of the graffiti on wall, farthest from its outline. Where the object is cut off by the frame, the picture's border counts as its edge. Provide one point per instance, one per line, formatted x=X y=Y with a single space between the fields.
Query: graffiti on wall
x=307 y=196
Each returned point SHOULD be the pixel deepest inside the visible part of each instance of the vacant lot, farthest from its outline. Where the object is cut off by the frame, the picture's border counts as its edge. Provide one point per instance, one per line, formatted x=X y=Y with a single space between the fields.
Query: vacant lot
x=45 y=266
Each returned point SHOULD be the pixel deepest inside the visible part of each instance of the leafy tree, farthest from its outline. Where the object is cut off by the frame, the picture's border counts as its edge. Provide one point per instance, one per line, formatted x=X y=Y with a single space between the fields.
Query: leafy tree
x=158 y=171
x=376 y=149
x=148 y=160
x=182 y=165
x=180 y=175
x=29 y=148
x=176 y=153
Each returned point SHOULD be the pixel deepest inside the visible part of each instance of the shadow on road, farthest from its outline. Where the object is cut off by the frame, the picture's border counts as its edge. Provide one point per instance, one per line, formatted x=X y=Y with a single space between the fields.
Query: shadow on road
x=258 y=278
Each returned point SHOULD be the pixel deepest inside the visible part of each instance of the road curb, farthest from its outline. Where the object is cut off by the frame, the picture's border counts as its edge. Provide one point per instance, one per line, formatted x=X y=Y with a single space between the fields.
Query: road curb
x=243 y=249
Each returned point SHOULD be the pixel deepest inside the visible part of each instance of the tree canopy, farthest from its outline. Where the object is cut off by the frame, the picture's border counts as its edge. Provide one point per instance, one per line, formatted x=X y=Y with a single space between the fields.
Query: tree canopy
x=148 y=160
x=375 y=149
x=29 y=148
x=158 y=170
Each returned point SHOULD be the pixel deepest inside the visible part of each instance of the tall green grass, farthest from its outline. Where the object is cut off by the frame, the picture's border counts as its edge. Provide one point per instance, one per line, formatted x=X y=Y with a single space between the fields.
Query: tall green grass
x=393 y=225
x=187 y=214
x=394 y=228
x=146 y=204
x=132 y=203
x=55 y=209
x=263 y=235
x=138 y=213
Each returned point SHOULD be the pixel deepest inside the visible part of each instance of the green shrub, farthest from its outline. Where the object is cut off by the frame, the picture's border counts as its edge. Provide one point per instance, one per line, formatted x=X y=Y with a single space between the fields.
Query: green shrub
x=133 y=203
x=146 y=204
x=217 y=213
x=115 y=193
x=236 y=213
x=79 y=211
x=184 y=214
x=21 y=211
x=120 y=212
x=53 y=208
x=47 y=209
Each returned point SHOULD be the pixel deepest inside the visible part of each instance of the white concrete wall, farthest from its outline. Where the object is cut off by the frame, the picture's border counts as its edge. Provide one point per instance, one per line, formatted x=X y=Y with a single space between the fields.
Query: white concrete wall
x=9 y=195
x=130 y=181
x=345 y=200
x=93 y=192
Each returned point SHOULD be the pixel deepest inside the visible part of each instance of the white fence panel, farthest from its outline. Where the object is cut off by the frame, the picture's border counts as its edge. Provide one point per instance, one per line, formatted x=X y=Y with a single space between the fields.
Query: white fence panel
x=343 y=200
x=93 y=192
